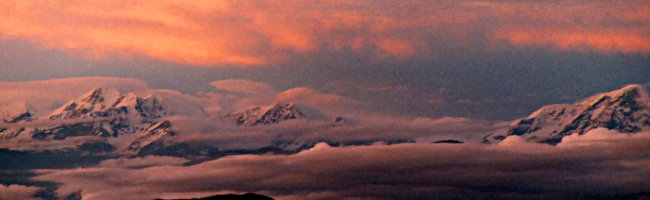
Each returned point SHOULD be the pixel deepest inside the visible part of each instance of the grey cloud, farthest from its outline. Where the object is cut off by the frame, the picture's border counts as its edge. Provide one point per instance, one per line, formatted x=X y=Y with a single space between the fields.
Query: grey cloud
x=355 y=129
x=143 y=162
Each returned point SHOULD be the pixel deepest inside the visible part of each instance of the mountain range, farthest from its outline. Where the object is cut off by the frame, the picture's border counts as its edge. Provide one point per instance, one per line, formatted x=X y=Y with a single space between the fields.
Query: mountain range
x=266 y=115
x=107 y=113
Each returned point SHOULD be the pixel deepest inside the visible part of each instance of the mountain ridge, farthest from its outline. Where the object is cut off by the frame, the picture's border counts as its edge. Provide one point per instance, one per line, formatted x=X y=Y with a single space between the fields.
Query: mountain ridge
x=267 y=115
x=100 y=112
x=624 y=110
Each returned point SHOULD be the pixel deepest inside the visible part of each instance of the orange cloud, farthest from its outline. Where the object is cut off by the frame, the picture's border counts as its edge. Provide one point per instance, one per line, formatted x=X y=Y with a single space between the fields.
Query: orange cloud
x=597 y=26
x=604 y=42
x=250 y=33
x=164 y=30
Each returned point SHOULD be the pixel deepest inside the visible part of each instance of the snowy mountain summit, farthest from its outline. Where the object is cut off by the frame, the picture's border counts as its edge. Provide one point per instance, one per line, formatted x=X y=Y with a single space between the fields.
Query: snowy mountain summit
x=109 y=103
x=266 y=115
x=625 y=110
x=101 y=112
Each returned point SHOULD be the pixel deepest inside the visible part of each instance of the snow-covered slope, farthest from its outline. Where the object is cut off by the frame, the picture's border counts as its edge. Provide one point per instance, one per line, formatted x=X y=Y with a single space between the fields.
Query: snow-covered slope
x=151 y=135
x=625 y=110
x=266 y=115
x=109 y=103
x=101 y=112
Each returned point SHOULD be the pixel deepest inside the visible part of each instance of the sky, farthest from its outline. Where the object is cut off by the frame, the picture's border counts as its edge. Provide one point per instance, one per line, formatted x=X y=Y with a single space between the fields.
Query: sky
x=398 y=97
x=493 y=60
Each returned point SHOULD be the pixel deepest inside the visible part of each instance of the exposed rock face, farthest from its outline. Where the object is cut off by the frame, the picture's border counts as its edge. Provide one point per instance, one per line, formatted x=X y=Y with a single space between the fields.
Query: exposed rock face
x=626 y=110
x=264 y=116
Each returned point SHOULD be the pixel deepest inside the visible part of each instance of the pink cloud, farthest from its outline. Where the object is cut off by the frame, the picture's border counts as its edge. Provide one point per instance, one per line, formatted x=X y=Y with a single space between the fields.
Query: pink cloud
x=62 y=90
x=18 y=192
x=317 y=98
x=208 y=33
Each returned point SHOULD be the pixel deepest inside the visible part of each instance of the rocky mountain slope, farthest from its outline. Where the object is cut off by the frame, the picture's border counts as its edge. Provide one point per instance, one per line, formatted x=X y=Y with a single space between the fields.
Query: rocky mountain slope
x=626 y=110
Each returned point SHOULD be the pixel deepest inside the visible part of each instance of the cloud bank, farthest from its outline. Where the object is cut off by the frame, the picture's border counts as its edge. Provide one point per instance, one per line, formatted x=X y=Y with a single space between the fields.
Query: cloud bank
x=42 y=95
x=18 y=192
x=615 y=167
x=253 y=33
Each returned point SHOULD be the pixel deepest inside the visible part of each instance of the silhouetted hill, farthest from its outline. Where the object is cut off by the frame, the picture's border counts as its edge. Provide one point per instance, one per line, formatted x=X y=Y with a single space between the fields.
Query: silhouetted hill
x=247 y=196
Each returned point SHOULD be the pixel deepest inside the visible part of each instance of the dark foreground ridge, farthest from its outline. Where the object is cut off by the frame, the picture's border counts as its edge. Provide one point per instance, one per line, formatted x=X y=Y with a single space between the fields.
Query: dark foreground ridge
x=247 y=196
x=448 y=142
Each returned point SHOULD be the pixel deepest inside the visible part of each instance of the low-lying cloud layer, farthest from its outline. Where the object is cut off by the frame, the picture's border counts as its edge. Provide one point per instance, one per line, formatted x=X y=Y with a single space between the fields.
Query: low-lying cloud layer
x=598 y=164
x=18 y=192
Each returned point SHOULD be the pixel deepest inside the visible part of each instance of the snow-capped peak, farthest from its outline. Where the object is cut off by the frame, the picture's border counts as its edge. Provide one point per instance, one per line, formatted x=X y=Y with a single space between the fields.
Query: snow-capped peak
x=110 y=103
x=87 y=105
x=266 y=115
x=624 y=110
x=102 y=112
x=99 y=112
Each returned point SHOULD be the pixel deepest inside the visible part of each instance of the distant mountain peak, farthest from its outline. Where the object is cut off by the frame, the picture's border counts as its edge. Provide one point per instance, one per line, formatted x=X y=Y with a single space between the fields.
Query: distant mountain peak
x=625 y=110
x=94 y=96
x=273 y=114
x=102 y=112
x=110 y=103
